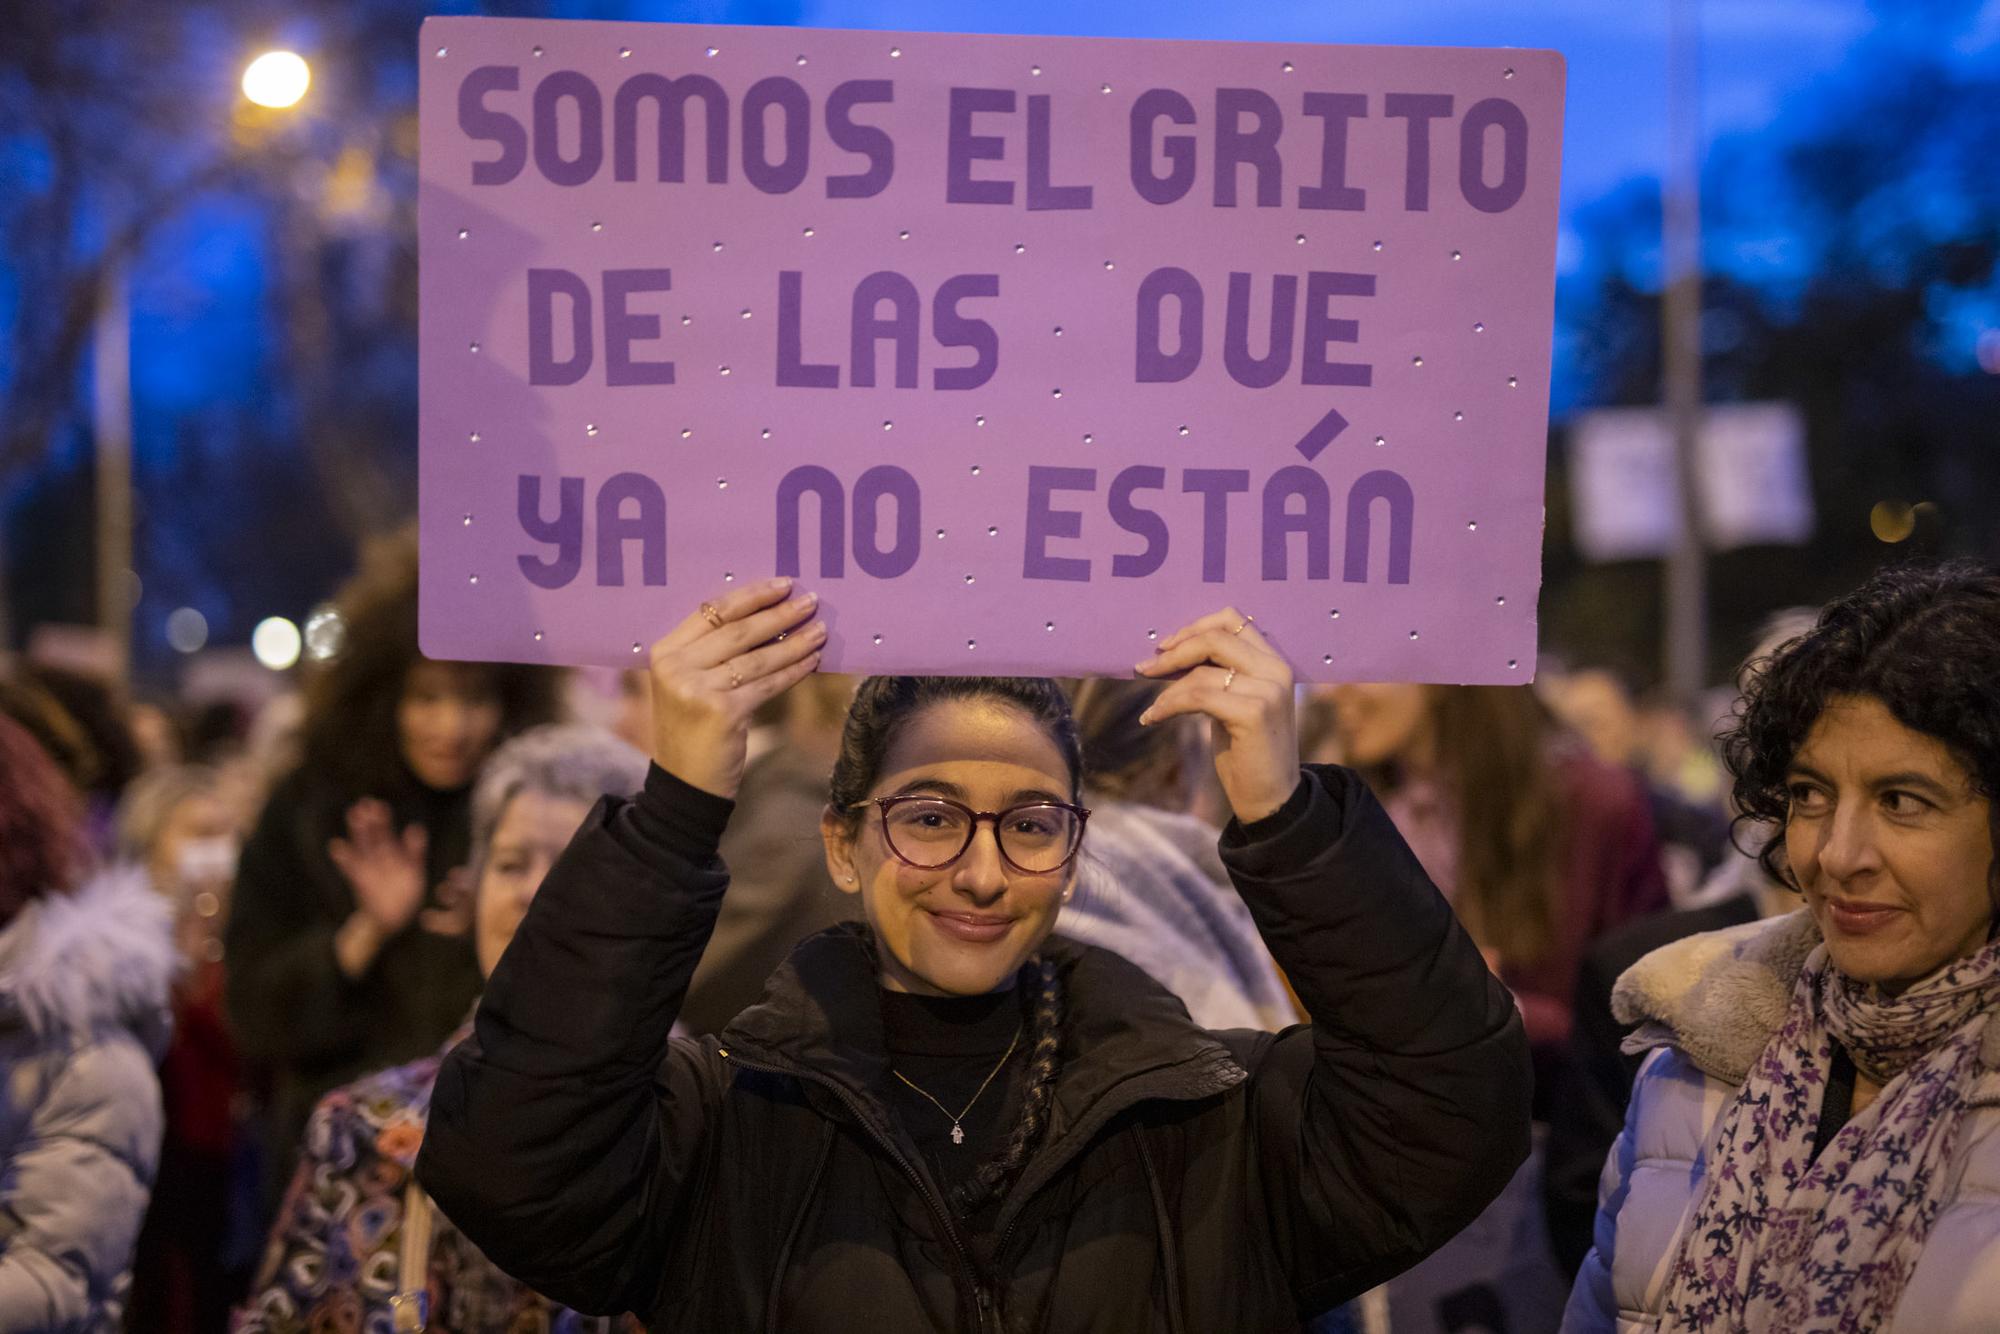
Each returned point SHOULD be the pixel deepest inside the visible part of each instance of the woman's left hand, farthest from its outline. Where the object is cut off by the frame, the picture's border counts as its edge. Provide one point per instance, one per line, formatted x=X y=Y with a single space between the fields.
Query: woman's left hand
x=1230 y=673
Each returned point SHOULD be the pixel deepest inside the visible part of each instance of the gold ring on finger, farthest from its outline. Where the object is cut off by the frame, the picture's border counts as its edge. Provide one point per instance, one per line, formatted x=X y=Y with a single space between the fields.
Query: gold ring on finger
x=735 y=678
x=711 y=615
x=1241 y=626
x=1230 y=679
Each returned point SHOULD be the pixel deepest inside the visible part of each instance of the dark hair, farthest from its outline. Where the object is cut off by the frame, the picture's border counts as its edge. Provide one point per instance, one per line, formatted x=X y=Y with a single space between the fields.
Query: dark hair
x=1494 y=763
x=104 y=719
x=42 y=848
x=884 y=703
x=881 y=707
x=1922 y=639
x=350 y=725
x=1128 y=762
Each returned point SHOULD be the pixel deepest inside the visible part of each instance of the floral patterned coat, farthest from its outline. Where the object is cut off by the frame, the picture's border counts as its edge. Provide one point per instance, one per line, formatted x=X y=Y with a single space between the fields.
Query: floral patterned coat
x=333 y=1261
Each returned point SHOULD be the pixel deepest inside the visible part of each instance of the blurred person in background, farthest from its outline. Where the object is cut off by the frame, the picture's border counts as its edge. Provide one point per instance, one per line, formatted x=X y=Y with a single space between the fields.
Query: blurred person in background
x=780 y=891
x=1813 y=1142
x=193 y=1259
x=1151 y=884
x=356 y=1239
x=104 y=715
x=50 y=725
x=1541 y=847
x=157 y=734
x=1601 y=707
x=348 y=940
x=85 y=964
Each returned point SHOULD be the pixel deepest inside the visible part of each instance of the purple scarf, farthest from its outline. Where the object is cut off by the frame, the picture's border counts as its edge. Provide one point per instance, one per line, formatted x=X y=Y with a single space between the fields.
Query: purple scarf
x=1782 y=1241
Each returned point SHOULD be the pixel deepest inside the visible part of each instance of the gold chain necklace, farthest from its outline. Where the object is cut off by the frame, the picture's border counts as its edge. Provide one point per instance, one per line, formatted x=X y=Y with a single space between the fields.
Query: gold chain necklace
x=957 y=1131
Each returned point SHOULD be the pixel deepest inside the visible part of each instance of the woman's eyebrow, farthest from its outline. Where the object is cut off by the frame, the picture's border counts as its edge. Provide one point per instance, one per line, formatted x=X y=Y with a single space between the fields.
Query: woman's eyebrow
x=941 y=786
x=1911 y=778
x=1030 y=795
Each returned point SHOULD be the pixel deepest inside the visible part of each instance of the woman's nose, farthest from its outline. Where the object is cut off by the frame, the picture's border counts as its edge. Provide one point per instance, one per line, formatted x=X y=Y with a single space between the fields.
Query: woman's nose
x=1847 y=848
x=981 y=872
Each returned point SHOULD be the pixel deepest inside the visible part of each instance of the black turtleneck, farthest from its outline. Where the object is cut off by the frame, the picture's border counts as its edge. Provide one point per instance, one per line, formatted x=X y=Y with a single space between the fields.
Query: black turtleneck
x=946 y=1045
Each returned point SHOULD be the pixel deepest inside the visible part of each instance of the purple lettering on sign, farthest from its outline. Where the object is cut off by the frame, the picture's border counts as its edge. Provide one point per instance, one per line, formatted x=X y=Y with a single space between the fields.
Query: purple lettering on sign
x=1494 y=113
x=647 y=526
x=1147 y=111
x=956 y=330
x=1248 y=371
x=1138 y=521
x=1419 y=109
x=1044 y=522
x=1044 y=197
x=1215 y=485
x=1155 y=364
x=1333 y=191
x=963 y=147
x=1280 y=523
x=794 y=110
x=794 y=371
x=564 y=532
x=900 y=327
x=622 y=328
x=1322 y=328
x=870 y=141
x=1384 y=485
x=545 y=366
x=495 y=127
x=589 y=104
x=670 y=98
x=887 y=482
x=1255 y=148
x=792 y=490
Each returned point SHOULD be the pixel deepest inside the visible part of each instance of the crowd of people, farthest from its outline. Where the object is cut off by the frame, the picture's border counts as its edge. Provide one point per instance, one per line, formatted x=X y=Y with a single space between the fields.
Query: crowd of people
x=733 y=994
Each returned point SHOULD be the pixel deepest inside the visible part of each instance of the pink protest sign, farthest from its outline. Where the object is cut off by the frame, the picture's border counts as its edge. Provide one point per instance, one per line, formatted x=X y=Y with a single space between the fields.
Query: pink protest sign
x=1019 y=350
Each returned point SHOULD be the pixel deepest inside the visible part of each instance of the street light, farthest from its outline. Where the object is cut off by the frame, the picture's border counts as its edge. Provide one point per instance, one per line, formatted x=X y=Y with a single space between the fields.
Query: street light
x=277 y=79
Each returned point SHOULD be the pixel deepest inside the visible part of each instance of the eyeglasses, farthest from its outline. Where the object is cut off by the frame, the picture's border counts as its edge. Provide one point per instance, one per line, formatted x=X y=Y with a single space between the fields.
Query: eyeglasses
x=929 y=833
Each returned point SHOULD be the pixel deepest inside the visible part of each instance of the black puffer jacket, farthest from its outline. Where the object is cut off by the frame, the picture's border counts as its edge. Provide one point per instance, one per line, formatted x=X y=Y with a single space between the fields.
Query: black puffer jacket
x=1188 y=1181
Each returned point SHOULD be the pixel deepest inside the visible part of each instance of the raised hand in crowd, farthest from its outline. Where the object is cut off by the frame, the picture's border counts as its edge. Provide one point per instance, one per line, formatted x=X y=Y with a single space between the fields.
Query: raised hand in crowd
x=712 y=671
x=1229 y=672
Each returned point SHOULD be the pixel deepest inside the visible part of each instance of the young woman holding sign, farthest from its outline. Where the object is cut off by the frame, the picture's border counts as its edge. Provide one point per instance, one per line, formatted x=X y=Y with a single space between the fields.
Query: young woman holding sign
x=950 y=1118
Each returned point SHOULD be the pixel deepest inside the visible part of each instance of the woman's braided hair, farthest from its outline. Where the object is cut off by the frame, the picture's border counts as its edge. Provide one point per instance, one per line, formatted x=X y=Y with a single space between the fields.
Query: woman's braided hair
x=1922 y=639
x=881 y=707
x=1045 y=1040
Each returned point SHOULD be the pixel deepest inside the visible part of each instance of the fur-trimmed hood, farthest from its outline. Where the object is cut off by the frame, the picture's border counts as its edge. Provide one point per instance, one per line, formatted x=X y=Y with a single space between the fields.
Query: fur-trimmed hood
x=74 y=964
x=1720 y=996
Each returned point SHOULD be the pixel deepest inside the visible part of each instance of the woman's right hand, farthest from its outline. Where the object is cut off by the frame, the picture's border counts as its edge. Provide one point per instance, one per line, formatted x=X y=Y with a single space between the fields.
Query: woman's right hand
x=712 y=671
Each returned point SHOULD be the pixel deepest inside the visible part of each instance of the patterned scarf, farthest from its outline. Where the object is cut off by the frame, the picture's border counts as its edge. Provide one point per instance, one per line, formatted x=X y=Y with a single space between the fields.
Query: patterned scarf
x=1780 y=1240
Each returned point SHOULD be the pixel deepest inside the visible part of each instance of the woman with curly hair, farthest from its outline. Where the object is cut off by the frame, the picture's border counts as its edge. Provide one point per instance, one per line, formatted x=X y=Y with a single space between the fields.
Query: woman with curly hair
x=1814 y=1142
x=947 y=1117
x=347 y=944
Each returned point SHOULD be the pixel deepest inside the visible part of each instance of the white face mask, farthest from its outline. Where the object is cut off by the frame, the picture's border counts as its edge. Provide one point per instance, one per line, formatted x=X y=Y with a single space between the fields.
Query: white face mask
x=206 y=861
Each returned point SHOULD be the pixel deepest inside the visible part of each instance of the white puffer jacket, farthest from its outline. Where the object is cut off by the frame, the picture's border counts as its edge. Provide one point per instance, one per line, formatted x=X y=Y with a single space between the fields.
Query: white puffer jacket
x=84 y=1015
x=1708 y=1005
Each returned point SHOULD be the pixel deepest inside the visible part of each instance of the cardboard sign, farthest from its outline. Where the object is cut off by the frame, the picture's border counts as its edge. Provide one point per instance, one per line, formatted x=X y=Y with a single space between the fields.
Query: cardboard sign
x=1020 y=351
x=1750 y=468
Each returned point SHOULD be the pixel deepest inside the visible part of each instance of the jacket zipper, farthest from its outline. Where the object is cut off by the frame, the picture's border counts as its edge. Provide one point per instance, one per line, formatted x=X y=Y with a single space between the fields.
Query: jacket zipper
x=982 y=1298
x=1078 y=1134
